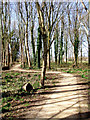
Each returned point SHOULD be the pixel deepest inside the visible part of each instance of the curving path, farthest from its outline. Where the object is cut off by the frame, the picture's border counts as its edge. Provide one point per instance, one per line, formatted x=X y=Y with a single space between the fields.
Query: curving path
x=68 y=100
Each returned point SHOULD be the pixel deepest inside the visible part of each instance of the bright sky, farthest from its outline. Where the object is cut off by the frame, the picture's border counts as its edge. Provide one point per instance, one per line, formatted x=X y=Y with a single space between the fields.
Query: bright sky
x=85 y=45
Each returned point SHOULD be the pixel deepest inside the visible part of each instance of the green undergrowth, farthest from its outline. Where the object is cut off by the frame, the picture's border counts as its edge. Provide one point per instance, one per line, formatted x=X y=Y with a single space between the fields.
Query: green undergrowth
x=83 y=72
x=32 y=67
x=13 y=96
x=12 y=83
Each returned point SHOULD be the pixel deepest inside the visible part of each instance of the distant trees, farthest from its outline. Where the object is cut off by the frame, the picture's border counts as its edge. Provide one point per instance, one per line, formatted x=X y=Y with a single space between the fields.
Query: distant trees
x=75 y=38
x=7 y=34
x=35 y=28
x=86 y=27
x=26 y=22
x=33 y=16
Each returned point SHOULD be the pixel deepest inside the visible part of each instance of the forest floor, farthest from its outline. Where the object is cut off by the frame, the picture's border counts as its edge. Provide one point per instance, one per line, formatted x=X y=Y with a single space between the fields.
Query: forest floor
x=65 y=97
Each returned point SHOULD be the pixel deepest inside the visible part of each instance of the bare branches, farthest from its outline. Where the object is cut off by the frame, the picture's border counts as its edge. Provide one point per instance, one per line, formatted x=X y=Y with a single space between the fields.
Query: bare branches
x=21 y=12
x=84 y=6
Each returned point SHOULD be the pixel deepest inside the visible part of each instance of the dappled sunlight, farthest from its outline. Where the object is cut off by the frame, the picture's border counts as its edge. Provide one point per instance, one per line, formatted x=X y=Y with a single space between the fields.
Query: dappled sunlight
x=64 y=95
x=66 y=100
x=63 y=101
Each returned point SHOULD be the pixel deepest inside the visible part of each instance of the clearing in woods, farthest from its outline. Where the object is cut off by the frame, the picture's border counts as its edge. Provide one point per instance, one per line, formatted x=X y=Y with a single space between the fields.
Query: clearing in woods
x=67 y=98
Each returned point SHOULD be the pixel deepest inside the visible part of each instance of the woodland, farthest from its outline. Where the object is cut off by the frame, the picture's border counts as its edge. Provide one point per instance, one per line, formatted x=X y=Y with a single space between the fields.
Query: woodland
x=38 y=38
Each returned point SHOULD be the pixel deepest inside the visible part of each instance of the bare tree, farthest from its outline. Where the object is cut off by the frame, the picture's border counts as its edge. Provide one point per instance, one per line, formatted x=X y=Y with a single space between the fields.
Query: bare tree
x=26 y=31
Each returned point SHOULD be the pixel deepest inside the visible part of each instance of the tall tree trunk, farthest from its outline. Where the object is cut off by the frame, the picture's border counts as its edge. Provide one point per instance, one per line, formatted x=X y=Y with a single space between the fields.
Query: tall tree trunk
x=27 y=48
x=76 y=45
x=1 y=21
x=81 y=50
x=44 y=65
x=44 y=35
x=39 y=45
x=61 y=44
x=48 y=54
x=22 y=62
x=59 y=61
x=76 y=38
x=89 y=53
x=61 y=47
x=8 y=59
x=32 y=35
x=24 y=49
x=9 y=30
x=7 y=54
x=66 y=50
x=26 y=37
x=0 y=41
x=55 y=47
x=21 y=44
x=33 y=45
x=89 y=35
x=48 y=60
x=11 y=57
x=5 y=59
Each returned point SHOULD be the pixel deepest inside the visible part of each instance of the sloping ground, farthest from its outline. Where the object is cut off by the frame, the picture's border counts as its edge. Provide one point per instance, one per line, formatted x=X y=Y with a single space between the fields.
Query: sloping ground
x=67 y=99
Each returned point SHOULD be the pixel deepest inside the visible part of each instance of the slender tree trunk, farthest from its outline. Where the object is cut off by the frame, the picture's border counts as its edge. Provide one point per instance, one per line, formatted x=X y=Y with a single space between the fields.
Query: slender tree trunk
x=2 y=55
x=32 y=35
x=21 y=44
x=44 y=65
x=24 y=54
x=48 y=59
x=66 y=50
x=27 y=49
x=39 y=46
x=26 y=37
x=9 y=39
x=76 y=45
x=76 y=37
x=89 y=35
x=59 y=61
x=0 y=41
x=11 y=59
x=89 y=53
x=24 y=49
x=61 y=46
x=55 y=47
x=5 y=58
x=22 y=62
x=81 y=51
x=33 y=45
x=2 y=35
x=8 y=59
x=7 y=54
x=48 y=54
x=38 y=58
x=44 y=35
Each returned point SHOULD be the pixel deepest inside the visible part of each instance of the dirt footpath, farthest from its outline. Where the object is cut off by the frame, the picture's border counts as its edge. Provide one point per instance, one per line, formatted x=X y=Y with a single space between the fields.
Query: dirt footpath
x=70 y=99
x=67 y=100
